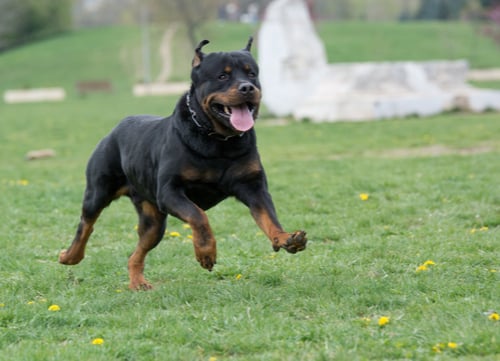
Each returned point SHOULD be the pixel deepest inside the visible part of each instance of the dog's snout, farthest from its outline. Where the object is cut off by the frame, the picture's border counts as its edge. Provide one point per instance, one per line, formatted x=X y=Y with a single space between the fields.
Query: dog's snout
x=246 y=88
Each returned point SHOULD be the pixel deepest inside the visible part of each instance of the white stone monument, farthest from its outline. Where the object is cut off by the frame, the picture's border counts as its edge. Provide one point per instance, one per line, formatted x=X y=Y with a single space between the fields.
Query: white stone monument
x=291 y=55
x=297 y=80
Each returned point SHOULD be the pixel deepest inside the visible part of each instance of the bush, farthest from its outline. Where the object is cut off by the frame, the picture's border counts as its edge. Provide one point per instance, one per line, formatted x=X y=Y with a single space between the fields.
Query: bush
x=28 y=20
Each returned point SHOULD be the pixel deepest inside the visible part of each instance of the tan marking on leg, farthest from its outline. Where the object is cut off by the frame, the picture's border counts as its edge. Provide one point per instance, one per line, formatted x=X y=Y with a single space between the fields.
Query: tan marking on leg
x=76 y=251
x=291 y=242
x=150 y=226
x=205 y=247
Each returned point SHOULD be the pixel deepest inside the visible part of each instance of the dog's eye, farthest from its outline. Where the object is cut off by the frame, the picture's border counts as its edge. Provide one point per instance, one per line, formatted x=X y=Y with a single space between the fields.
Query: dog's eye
x=252 y=75
x=223 y=76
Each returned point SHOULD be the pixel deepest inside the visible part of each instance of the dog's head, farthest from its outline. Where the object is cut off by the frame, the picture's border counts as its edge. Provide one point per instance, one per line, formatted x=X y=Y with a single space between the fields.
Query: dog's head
x=227 y=87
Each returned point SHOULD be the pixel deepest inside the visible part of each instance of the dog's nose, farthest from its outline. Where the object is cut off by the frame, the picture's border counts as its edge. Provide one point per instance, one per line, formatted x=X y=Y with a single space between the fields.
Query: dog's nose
x=246 y=88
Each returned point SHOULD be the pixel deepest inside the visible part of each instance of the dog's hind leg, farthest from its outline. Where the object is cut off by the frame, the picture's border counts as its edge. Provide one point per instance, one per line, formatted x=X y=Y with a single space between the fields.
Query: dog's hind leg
x=76 y=251
x=152 y=225
x=94 y=201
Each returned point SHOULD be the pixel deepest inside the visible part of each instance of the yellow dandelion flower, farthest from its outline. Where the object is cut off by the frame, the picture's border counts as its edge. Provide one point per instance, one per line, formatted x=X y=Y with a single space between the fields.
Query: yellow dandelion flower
x=364 y=196
x=483 y=229
x=436 y=348
x=212 y=358
x=384 y=320
x=452 y=345
x=97 y=341
x=366 y=320
x=473 y=230
x=429 y=263
x=494 y=316
x=190 y=236
x=175 y=234
x=31 y=302
x=2 y=304
x=136 y=227
x=422 y=268
x=186 y=226
x=238 y=276
x=54 y=308
x=23 y=182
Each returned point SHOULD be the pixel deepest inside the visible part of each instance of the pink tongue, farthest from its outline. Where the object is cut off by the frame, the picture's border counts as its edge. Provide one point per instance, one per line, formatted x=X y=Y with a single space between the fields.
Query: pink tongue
x=241 y=118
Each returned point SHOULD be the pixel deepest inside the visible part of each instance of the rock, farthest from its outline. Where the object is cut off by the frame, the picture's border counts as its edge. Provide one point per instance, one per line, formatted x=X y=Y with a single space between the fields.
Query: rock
x=41 y=153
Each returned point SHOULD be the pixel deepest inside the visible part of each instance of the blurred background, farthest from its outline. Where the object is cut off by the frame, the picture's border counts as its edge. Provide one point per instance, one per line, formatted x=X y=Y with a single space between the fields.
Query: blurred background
x=141 y=41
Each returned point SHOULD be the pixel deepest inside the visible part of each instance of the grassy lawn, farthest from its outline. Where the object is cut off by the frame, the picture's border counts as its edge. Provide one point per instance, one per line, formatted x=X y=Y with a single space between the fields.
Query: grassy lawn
x=379 y=200
x=432 y=195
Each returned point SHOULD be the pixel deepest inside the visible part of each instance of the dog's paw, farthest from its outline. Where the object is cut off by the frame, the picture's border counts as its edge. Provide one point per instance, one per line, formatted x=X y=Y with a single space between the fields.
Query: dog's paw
x=66 y=258
x=296 y=242
x=140 y=284
x=206 y=256
x=207 y=263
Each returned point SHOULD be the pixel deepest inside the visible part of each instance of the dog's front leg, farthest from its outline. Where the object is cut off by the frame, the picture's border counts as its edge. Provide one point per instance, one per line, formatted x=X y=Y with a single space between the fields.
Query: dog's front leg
x=176 y=203
x=258 y=199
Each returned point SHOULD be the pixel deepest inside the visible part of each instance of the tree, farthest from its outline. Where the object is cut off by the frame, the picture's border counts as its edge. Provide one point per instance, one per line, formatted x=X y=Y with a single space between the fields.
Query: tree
x=28 y=20
x=440 y=9
x=192 y=13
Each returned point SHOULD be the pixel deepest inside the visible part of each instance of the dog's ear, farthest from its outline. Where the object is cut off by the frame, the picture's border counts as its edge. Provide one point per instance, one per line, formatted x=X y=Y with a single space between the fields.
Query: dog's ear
x=249 y=44
x=198 y=55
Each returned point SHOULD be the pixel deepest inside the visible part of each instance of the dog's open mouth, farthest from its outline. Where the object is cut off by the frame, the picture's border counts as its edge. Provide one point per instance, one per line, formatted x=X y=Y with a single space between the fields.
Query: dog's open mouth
x=241 y=117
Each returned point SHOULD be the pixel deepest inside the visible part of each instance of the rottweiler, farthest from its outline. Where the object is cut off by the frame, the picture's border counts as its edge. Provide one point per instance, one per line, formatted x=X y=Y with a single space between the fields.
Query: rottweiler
x=186 y=163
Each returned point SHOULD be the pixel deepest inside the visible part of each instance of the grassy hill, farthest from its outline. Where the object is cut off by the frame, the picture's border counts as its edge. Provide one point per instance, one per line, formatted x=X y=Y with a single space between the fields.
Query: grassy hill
x=115 y=53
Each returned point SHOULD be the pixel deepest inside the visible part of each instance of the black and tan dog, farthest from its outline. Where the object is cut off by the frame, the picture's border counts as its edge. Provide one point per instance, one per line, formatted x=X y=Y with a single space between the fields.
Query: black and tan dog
x=186 y=163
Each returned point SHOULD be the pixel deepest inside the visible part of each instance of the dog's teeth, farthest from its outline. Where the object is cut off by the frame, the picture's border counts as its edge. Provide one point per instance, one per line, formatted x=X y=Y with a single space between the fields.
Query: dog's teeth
x=227 y=110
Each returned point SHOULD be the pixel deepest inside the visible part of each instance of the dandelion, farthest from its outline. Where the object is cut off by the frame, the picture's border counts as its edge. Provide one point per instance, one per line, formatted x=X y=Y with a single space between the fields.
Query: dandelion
x=238 y=276
x=452 y=345
x=366 y=320
x=483 y=229
x=31 y=302
x=494 y=316
x=437 y=348
x=2 y=304
x=422 y=268
x=384 y=320
x=54 y=308
x=425 y=266
x=175 y=234
x=136 y=227
x=364 y=196
x=97 y=341
x=186 y=226
x=190 y=236
x=212 y=358
x=23 y=182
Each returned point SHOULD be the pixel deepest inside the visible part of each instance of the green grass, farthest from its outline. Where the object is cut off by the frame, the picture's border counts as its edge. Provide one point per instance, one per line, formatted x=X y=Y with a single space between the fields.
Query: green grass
x=360 y=263
x=374 y=41
x=433 y=195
